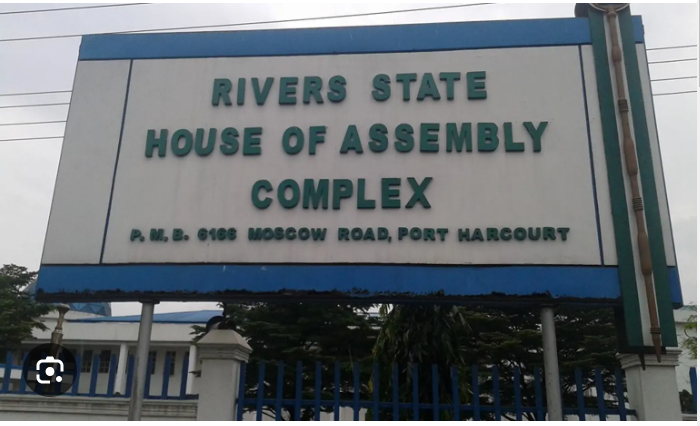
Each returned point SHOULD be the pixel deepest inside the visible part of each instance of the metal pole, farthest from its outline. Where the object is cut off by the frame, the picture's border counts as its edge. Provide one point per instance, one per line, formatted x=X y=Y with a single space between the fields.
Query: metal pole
x=57 y=334
x=551 y=365
x=145 y=325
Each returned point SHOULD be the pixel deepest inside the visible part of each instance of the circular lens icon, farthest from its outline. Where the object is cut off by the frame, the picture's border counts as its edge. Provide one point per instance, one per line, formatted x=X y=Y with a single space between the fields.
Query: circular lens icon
x=49 y=370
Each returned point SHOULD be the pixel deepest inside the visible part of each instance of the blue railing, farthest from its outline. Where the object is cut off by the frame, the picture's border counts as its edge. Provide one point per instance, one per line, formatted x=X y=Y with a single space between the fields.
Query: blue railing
x=289 y=397
x=97 y=387
x=694 y=388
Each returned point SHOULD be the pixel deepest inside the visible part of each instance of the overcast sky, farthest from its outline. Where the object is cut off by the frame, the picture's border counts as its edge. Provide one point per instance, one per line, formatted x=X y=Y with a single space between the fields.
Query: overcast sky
x=28 y=168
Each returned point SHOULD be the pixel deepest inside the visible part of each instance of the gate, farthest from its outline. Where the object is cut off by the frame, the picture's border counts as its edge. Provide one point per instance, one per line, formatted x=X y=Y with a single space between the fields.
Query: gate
x=418 y=392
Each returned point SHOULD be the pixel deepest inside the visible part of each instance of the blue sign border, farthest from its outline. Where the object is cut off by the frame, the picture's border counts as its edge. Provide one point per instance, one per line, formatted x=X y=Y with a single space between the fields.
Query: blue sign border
x=344 y=40
x=386 y=282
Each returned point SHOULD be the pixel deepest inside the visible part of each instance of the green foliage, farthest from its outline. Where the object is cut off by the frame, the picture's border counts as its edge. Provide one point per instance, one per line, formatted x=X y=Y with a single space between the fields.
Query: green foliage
x=310 y=333
x=506 y=338
x=686 y=398
x=19 y=314
x=690 y=343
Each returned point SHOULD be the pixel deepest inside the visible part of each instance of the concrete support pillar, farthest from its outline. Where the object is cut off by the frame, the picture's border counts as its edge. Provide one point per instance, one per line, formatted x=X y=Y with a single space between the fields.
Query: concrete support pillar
x=121 y=369
x=221 y=353
x=191 y=366
x=653 y=392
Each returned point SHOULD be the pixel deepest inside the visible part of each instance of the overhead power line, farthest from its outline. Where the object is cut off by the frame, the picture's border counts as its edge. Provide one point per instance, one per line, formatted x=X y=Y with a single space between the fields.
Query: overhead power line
x=673 y=78
x=19 y=12
x=240 y=24
x=672 y=60
x=31 y=139
x=675 y=93
x=33 y=123
x=671 y=47
x=33 y=105
x=35 y=93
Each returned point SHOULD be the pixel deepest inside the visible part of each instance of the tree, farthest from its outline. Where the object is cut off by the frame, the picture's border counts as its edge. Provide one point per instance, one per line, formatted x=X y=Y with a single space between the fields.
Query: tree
x=690 y=343
x=19 y=313
x=306 y=333
x=508 y=339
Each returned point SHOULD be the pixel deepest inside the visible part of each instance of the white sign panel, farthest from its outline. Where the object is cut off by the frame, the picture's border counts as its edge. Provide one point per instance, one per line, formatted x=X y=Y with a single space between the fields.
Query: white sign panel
x=463 y=157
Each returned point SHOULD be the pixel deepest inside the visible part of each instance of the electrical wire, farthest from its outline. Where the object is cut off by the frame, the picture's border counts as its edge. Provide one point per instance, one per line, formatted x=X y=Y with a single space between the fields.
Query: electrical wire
x=19 y=12
x=31 y=139
x=35 y=93
x=32 y=123
x=673 y=78
x=675 y=93
x=33 y=105
x=240 y=24
x=671 y=47
x=672 y=60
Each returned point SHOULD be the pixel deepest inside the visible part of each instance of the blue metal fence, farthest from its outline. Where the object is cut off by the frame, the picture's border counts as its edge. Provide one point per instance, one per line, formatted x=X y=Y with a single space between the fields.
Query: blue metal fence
x=303 y=397
x=96 y=386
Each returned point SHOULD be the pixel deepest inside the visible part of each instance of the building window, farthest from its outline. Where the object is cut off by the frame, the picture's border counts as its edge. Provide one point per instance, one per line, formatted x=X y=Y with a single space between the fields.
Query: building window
x=87 y=362
x=173 y=357
x=152 y=361
x=105 y=357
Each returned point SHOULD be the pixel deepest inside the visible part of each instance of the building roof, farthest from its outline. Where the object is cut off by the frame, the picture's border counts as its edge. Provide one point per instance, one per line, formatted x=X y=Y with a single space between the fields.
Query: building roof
x=97 y=308
x=192 y=317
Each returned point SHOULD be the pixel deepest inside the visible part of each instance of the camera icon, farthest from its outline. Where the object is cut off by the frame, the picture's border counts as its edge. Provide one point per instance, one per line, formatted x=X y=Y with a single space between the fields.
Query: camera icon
x=49 y=365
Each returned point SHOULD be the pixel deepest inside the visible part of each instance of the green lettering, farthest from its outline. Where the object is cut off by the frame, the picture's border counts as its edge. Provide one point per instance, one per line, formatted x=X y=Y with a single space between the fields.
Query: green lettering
x=229 y=139
x=362 y=203
x=563 y=233
x=390 y=197
x=342 y=188
x=402 y=232
x=318 y=234
x=312 y=87
x=369 y=235
x=343 y=234
x=222 y=87
x=508 y=138
x=287 y=143
x=251 y=140
x=315 y=195
x=379 y=142
x=506 y=234
x=290 y=234
x=520 y=234
x=428 y=141
x=382 y=233
x=476 y=85
x=534 y=237
x=257 y=186
x=161 y=142
x=175 y=142
x=428 y=234
x=449 y=78
x=337 y=88
x=240 y=98
x=491 y=234
x=255 y=234
x=463 y=235
x=428 y=87
x=406 y=80
x=382 y=87
x=536 y=134
x=461 y=139
x=419 y=192
x=404 y=134
x=442 y=232
x=548 y=233
x=316 y=136
x=288 y=90
x=261 y=95
x=203 y=151
x=281 y=193
x=487 y=136
x=351 y=141
x=476 y=235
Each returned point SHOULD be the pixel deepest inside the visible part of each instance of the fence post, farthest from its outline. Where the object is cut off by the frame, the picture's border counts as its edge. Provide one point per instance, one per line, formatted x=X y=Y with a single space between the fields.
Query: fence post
x=653 y=391
x=221 y=353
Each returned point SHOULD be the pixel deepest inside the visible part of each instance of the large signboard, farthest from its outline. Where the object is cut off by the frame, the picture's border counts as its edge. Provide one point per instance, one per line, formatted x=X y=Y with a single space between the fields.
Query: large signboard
x=466 y=159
